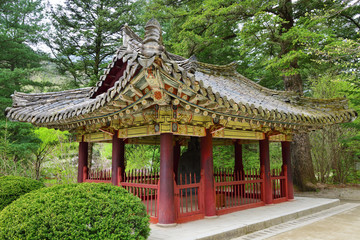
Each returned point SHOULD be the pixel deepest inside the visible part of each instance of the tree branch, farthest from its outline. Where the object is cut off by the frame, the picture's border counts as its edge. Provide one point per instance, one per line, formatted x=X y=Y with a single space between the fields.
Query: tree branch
x=351 y=20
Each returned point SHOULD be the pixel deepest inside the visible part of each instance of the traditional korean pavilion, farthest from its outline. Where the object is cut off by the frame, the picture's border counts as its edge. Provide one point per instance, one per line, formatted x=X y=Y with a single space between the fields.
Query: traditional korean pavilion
x=148 y=95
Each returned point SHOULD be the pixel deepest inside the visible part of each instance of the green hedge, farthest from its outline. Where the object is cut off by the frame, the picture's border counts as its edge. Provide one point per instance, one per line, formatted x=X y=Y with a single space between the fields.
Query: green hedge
x=76 y=211
x=11 y=188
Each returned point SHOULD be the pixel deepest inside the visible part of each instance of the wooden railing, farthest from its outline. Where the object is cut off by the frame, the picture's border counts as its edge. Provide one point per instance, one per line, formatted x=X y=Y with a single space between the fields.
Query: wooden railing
x=237 y=190
x=234 y=190
x=144 y=183
x=148 y=176
x=95 y=175
x=279 y=184
x=189 y=197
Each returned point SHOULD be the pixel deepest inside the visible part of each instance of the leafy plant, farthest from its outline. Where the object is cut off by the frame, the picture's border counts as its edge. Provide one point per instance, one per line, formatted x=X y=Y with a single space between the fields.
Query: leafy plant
x=76 y=211
x=12 y=187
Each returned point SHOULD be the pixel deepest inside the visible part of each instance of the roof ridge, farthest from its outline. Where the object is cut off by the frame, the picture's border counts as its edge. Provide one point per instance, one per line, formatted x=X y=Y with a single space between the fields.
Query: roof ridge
x=22 y=94
x=126 y=30
x=225 y=67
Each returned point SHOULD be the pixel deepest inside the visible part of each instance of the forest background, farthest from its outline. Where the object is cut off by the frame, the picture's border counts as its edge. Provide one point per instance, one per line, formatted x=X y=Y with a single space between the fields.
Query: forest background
x=310 y=47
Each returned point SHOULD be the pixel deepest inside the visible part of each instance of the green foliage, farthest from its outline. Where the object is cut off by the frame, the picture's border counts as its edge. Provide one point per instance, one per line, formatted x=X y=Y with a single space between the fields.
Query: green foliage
x=140 y=156
x=269 y=39
x=49 y=138
x=12 y=187
x=60 y=164
x=17 y=79
x=192 y=28
x=86 y=35
x=136 y=156
x=76 y=211
x=60 y=171
x=21 y=27
x=335 y=148
x=20 y=24
x=251 y=156
x=18 y=142
x=224 y=156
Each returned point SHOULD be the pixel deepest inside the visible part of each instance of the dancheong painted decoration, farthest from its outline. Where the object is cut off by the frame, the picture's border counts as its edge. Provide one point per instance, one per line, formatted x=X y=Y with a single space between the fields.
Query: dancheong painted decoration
x=148 y=95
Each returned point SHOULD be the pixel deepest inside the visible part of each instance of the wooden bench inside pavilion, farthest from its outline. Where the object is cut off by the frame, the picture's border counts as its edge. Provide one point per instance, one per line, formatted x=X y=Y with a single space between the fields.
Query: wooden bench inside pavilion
x=149 y=95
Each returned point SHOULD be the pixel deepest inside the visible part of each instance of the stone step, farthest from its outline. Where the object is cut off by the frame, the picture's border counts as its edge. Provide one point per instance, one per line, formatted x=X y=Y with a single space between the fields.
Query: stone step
x=240 y=223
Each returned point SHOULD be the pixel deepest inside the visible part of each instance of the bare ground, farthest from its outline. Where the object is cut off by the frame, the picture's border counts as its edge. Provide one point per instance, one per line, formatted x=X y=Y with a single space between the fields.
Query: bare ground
x=341 y=191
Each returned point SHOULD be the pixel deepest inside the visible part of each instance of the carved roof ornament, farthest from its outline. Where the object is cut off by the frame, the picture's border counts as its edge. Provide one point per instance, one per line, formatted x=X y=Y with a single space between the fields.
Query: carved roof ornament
x=152 y=44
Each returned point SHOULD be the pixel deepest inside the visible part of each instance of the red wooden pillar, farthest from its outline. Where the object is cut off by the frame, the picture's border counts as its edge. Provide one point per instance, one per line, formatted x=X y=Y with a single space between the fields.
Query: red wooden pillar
x=118 y=159
x=286 y=156
x=177 y=152
x=265 y=169
x=83 y=160
x=166 y=193
x=208 y=169
x=238 y=167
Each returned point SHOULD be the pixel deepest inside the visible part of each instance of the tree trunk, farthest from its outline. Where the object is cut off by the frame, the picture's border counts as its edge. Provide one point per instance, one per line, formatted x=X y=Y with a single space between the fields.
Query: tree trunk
x=190 y=160
x=37 y=167
x=303 y=169
x=301 y=162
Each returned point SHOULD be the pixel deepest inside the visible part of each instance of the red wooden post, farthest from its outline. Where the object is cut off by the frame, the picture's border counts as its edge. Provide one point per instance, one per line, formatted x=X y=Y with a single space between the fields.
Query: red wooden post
x=166 y=193
x=176 y=159
x=265 y=167
x=85 y=173
x=118 y=152
x=285 y=146
x=83 y=160
x=207 y=166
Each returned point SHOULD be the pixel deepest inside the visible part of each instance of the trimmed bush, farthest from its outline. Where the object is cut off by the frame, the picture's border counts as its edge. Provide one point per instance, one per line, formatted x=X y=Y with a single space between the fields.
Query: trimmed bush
x=11 y=188
x=76 y=211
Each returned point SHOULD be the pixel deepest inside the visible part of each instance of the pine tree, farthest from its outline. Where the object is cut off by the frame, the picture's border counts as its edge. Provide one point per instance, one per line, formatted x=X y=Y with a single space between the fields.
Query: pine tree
x=86 y=35
x=21 y=26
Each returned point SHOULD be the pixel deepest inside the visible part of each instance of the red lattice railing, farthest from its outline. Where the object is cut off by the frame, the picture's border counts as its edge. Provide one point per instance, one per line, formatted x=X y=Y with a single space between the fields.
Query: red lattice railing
x=237 y=190
x=234 y=190
x=144 y=183
x=148 y=176
x=279 y=184
x=189 y=197
x=95 y=175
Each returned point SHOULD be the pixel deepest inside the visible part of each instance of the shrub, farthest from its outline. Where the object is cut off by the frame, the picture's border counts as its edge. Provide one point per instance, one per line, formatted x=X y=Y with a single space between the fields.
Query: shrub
x=11 y=188
x=76 y=211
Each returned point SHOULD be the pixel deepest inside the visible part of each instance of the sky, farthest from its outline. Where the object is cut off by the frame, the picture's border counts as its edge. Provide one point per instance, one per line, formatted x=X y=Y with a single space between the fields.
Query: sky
x=53 y=2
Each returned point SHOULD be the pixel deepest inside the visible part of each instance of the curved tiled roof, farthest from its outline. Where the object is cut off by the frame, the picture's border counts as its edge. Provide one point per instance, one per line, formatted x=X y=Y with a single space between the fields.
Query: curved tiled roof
x=227 y=92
